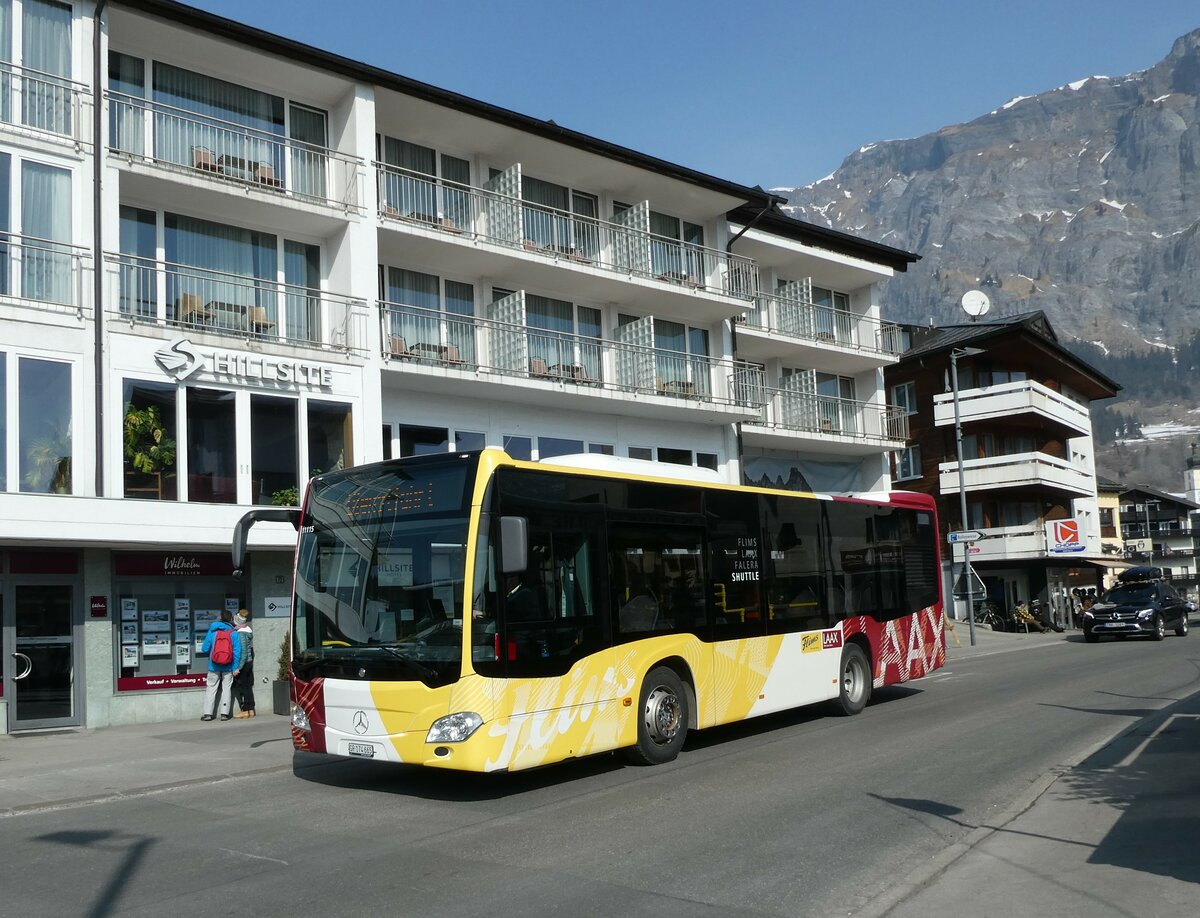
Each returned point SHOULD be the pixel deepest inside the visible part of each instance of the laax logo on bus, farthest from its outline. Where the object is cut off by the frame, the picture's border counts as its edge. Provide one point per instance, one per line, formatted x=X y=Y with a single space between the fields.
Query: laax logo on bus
x=181 y=360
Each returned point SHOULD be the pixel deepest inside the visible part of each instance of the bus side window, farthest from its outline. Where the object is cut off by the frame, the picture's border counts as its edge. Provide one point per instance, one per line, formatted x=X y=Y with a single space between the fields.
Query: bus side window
x=736 y=563
x=658 y=579
x=799 y=599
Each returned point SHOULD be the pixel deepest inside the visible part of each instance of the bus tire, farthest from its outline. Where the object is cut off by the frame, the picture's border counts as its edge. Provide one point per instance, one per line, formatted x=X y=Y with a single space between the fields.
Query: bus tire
x=854 y=688
x=662 y=718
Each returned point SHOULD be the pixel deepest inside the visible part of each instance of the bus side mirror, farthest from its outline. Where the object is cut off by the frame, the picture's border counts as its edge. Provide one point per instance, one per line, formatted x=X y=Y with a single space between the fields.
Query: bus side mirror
x=514 y=544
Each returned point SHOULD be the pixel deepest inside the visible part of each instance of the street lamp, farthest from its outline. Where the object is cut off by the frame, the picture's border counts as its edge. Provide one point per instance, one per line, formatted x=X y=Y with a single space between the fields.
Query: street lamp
x=955 y=353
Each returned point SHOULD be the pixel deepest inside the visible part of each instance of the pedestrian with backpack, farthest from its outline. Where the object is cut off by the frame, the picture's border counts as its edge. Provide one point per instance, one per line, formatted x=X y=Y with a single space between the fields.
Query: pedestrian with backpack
x=243 y=678
x=224 y=651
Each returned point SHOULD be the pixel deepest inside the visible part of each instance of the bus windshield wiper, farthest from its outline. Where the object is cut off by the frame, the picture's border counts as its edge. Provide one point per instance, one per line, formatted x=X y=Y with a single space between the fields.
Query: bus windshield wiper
x=425 y=672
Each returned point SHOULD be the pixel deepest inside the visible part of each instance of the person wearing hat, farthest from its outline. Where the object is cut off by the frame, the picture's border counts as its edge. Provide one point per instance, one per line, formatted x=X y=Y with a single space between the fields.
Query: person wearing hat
x=243 y=679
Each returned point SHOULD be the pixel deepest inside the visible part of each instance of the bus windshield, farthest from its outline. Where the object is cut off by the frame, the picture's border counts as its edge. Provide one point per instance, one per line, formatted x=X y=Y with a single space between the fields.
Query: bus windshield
x=379 y=572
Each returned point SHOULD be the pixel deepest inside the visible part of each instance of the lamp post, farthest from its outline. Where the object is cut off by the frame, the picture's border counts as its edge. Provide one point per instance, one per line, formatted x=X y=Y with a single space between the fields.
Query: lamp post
x=962 y=484
x=1149 y=538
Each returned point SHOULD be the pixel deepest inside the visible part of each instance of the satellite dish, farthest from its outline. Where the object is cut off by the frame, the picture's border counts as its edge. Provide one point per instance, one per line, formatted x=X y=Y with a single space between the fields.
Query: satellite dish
x=975 y=303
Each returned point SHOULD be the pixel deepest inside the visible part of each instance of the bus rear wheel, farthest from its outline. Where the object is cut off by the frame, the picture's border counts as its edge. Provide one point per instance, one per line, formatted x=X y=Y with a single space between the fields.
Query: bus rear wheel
x=855 y=689
x=662 y=718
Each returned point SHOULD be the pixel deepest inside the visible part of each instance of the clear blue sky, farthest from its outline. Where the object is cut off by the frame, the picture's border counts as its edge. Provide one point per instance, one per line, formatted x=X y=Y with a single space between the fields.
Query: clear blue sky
x=761 y=92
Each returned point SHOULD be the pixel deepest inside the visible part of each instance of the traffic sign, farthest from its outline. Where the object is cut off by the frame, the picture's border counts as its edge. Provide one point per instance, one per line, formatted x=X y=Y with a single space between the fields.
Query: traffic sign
x=967 y=535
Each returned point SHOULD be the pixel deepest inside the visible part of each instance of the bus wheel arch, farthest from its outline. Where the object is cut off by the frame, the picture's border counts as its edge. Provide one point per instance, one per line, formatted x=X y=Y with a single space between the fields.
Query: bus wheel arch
x=855 y=677
x=665 y=712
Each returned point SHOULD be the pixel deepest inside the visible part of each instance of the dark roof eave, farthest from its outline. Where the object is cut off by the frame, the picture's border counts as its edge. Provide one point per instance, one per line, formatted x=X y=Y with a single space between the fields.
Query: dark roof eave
x=825 y=237
x=285 y=47
x=978 y=334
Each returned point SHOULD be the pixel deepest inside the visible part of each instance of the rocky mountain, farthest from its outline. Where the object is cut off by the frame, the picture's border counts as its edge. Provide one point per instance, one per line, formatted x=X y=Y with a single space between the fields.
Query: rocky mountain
x=1083 y=201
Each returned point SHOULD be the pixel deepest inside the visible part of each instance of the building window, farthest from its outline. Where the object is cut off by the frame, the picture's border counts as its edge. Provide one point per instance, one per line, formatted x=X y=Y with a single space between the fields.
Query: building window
x=559 y=219
x=329 y=437
x=3 y=420
x=149 y=440
x=518 y=447
x=601 y=449
x=212 y=446
x=419 y=185
x=466 y=441
x=47 y=267
x=423 y=441
x=905 y=396
x=908 y=463
x=429 y=318
x=44 y=425
x=706 y=461
x=674 y=456
x=45 y=53
x=548 y=447
x=274 y=451
x=641 y=452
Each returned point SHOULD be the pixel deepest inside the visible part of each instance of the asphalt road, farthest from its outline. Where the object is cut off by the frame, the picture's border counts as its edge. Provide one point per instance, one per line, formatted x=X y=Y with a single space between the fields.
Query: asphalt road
x=798 y=814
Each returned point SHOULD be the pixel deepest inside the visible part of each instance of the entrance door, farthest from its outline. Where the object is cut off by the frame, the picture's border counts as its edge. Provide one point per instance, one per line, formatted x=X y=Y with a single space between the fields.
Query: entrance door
x=42 y=663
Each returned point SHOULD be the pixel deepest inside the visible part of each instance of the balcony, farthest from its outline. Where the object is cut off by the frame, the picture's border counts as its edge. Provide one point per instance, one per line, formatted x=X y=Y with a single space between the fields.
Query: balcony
x=442 y=211
x=453 y=354
x=49 y=277
x=1019 y=470
x=232 y=154
x=149 y=293
x=43 y=105
x=811 y=333
x=1021 y=400
x=840 y=425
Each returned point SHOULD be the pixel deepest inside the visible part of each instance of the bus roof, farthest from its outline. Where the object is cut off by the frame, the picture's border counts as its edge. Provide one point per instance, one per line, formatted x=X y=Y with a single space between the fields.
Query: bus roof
x=598 y=462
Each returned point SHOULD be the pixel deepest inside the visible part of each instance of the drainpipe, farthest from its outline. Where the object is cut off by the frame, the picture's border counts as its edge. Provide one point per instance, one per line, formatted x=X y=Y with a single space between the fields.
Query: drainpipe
x=733 y=324
x=97 y=246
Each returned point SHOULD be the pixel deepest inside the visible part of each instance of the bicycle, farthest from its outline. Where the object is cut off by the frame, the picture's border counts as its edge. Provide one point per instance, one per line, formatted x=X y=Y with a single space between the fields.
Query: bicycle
x=988 y=613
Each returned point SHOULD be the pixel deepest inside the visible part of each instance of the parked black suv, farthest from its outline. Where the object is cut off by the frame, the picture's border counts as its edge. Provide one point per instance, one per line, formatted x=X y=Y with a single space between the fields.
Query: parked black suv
x=1141 y=603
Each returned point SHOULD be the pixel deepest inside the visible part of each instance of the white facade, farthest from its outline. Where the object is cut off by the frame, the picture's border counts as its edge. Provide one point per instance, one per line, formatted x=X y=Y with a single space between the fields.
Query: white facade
x=303 y=264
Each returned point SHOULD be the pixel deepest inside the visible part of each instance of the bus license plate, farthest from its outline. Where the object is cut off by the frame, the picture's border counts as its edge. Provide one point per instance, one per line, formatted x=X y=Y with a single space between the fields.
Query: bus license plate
x=366 y=750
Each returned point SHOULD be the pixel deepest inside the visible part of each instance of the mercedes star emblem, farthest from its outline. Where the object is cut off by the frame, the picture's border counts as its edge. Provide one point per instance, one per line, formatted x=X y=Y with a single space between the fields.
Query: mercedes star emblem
x=360 y=722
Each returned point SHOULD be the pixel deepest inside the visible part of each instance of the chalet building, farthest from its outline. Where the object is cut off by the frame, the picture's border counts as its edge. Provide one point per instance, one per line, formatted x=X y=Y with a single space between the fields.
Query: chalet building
x=1028 y=469
x=232 y=261
x=1159 y=530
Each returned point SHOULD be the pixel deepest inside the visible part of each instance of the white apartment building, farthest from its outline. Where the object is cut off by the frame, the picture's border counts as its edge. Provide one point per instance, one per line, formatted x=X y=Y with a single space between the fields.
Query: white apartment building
x=231 y=261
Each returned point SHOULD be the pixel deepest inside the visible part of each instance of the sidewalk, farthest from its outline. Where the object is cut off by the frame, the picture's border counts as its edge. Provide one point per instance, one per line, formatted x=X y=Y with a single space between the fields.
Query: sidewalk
x=1114 y=835
x=989 y=641
x=39 y=770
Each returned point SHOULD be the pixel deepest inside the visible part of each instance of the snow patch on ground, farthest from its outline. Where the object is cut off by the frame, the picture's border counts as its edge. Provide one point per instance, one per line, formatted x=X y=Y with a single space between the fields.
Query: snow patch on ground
x=1101 y=345
x=1163 y=432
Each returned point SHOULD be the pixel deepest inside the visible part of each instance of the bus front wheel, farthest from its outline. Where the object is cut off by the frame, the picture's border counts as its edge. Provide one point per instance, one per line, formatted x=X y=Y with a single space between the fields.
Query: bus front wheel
x=662 y=718
x=855 y=689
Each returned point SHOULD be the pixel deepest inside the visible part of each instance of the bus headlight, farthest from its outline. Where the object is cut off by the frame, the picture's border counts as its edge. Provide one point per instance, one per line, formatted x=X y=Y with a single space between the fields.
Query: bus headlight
x=300 y=719
x=454 y=728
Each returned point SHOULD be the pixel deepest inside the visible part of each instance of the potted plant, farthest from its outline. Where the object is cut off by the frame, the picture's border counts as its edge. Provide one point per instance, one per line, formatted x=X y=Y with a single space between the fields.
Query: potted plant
x=285 y=497
x=281 y=694
x=149 y=451
x=48 y=462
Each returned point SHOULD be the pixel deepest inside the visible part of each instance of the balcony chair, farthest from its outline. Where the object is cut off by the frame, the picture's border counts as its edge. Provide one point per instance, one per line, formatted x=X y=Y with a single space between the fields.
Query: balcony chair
x=204 y=159
x=256 y=317
x=264 y=174
x=537 y=367
x=400 y=347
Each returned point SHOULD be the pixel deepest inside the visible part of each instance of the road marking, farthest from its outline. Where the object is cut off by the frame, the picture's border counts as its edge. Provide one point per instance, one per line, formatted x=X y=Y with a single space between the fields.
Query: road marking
x=257 y=857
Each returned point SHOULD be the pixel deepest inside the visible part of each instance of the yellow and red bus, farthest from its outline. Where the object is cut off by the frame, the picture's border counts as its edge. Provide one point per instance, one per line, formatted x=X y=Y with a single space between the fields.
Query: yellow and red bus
x=474 y=612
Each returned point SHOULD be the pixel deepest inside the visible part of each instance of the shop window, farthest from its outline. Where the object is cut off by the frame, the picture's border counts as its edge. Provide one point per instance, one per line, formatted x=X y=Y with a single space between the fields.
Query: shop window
x=212 y=450
x=44 y=422
x=329 y=437
x=274 y=476
x=423 y=441
x=165 y=604
x=149 y=440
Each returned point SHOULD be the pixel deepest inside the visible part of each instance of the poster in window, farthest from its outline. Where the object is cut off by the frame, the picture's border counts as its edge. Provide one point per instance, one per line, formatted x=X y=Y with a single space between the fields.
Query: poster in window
x=156 y=620
x=156 y=645
x=183 y=631
x=129 y=656
x=183 y=655
x=232 y=605
x=183 y=607
x=129 y=609
x=129 y=632
x=203 y=619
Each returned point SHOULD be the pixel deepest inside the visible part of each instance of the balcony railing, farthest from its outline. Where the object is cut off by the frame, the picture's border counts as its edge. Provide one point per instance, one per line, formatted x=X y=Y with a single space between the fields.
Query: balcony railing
x=462 y=210
x=1007 y=399
x=826 y=415
x=198 y=299
x=235 y=153
x=50 y=275
x=414 y=336
x=794 y=318
x=1017 y=469
x=44 y=103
